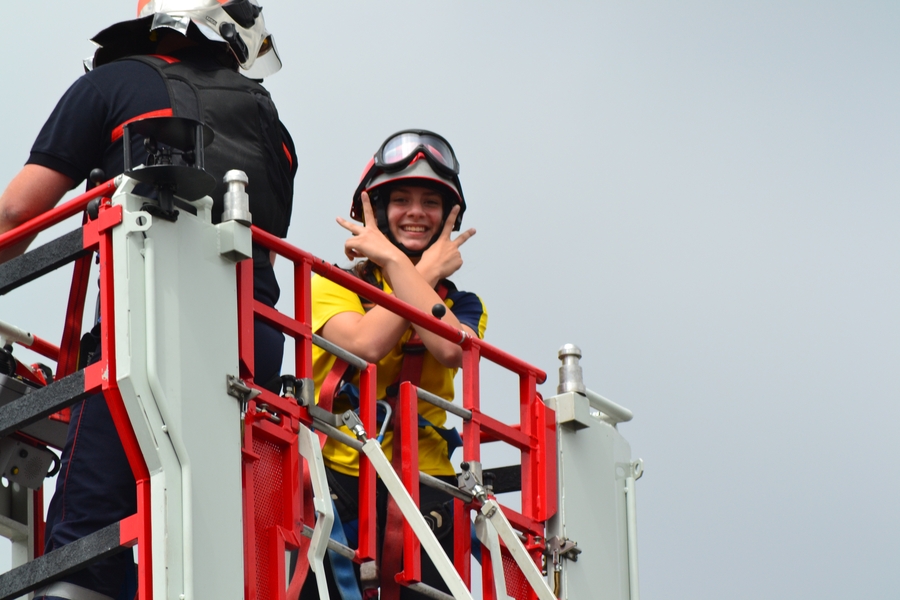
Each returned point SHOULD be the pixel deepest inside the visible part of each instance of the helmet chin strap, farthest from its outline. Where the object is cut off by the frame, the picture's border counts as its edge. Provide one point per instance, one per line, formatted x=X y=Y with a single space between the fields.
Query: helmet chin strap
x=385 y=228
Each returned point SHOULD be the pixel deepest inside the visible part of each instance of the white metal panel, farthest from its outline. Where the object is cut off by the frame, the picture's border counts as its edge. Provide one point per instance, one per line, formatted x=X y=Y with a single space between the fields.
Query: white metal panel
x=189 y=429
x=594 y=460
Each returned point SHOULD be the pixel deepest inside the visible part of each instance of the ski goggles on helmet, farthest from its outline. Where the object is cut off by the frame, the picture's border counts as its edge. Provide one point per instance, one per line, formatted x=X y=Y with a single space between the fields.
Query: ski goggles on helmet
x=401 y=149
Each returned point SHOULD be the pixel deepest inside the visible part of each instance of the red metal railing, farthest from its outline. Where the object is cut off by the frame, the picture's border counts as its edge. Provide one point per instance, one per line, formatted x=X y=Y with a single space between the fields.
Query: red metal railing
x=534 y=436
x=56 y=215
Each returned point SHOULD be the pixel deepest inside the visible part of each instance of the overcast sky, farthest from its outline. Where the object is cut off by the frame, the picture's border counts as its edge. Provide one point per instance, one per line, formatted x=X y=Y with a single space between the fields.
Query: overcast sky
x=702 y=196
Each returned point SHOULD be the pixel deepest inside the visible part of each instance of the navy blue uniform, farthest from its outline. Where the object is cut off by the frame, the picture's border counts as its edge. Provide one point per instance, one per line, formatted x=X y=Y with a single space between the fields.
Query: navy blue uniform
x=95 y=486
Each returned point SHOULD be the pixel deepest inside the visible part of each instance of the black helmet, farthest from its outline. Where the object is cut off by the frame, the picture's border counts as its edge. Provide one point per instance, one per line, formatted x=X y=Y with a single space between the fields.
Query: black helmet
x=413 y=154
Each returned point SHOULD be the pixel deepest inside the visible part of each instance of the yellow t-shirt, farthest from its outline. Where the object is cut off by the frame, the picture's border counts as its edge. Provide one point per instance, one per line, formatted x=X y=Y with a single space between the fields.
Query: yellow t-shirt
x=330 y=299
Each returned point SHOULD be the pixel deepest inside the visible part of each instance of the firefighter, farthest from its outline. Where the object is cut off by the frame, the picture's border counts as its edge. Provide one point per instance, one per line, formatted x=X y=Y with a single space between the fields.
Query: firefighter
x=140 y=70
x=408 y=203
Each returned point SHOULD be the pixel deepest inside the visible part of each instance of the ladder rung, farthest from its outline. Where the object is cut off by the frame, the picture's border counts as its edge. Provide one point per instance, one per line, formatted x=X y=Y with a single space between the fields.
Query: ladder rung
x=40 y=261
x=42 y=402
x=62 y=561
x=506 y=479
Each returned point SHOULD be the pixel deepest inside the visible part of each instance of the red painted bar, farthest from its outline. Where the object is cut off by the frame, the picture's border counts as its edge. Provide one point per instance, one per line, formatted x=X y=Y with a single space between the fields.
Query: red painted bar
x=471 y=401
x=530 y=470
x=508 y=361
x=44 y=348
x=487 y=576
x=462 y=541
x=367 y=538
x=408 y=421
x=281 y=321
x=37 y=508
x=245 y=317
x=67 y=363
x=501 y=431
x=138 y=528
x=56 y=215
x=546 y=483
x=303 y=313
x=249 y=459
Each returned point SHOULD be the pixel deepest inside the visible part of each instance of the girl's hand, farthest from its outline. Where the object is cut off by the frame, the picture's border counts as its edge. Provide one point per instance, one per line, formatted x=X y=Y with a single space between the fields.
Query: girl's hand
x=443 y=258
x=368 y=241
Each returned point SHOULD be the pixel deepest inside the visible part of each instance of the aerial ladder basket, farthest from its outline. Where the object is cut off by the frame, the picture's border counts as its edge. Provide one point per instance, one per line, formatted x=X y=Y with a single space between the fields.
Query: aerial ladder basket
x=229 y=475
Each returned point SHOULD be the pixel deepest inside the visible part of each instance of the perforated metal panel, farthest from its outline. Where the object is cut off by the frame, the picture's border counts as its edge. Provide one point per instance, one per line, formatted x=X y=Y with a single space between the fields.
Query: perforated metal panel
x=268 y=510
x=517 y=587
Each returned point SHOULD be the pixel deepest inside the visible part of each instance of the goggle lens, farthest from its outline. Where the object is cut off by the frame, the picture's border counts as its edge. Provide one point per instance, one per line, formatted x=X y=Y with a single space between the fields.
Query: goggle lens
x=402 y=146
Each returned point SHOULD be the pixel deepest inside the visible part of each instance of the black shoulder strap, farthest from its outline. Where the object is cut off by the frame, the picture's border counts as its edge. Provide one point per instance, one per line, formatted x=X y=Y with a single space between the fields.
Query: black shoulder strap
x=183 y=95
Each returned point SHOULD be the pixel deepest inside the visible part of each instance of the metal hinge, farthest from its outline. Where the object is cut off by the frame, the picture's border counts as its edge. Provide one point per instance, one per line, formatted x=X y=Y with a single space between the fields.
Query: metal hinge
x=560 y=547
x=240 y=390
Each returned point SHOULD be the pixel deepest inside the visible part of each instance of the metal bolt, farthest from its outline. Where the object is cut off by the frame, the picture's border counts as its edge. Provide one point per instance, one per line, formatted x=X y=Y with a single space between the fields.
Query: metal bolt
x=237 y=202
x=570 y=374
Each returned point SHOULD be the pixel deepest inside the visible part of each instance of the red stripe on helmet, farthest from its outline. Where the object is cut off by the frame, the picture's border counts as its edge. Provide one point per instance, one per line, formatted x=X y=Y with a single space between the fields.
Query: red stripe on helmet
x=288 y=154
x=118 y=131
x=367 y=169
x=141 y=5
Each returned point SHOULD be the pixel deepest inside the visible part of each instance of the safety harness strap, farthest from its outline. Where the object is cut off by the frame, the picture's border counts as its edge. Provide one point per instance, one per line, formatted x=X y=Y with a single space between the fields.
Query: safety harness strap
x=341 y=566
x=340 y=371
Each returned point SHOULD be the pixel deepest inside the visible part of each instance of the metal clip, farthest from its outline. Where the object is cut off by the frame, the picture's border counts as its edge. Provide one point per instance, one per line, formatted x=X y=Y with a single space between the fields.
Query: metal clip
x=354 y=424
x=387 y=419
x=471 y=480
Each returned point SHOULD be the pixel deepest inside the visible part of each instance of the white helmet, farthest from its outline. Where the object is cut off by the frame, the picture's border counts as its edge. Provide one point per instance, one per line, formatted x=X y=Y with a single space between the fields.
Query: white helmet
x=238 y=23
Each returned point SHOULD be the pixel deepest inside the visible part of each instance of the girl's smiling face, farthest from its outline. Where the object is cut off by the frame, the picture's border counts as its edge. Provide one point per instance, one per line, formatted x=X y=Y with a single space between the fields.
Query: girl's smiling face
x=414 y=215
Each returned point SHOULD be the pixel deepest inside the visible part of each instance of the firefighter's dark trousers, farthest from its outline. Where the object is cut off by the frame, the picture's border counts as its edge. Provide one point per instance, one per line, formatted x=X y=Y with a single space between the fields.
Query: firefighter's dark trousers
x=95 y=486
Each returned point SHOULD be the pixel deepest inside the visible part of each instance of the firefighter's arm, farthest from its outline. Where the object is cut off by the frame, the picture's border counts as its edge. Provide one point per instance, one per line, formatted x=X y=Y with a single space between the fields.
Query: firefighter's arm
x=34 y=191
